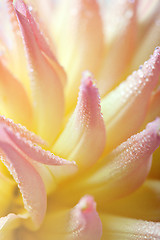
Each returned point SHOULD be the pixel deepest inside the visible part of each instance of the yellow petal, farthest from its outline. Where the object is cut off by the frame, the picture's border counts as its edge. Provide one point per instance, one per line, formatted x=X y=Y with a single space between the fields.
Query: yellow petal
x=80 y=29
x=123 y=30
x=147 y=43
x=47 y=90
x=13 y=49
x=79 y=223
x=122 y=171
x=142 y=204
x=124 y=109
x=7 y=226
x=119 y=228
x=26 y=142
x=40 y=38
x=147 y=14
x=15 y=103
x=84 y=129
x=7 y=187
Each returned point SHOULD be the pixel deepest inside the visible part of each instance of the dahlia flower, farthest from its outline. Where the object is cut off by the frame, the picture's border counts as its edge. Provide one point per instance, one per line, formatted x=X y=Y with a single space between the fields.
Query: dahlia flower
x=79 y=123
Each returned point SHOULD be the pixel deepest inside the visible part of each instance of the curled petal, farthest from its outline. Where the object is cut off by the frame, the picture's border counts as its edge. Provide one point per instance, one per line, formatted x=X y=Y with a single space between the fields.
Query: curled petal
x=15 y=103
x=28 y=180
x=121 y=32
x=80 y=24
x=27 y=143
x=124 y=169
x=17 y=153
x=47 y=91
x=34 y=151
x=21 y=130
x=80 y=223
x=125 y=108
x=40 y=38
x=119 y=228
x=84 y=129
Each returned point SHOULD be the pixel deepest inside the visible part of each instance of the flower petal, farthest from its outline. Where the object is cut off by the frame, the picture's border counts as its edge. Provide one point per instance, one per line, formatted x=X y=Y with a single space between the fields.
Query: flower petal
x=154 y=109
x=7 y=226
x=47 y=91
x=7 y=187
x=154 y=172
x=28 y=180
x=147 y=14
x=125 y=108
x=119 y=228
x=40 y=38
x=18 y=161
x=80 y=24
x=26 y=142
x=15 y=103
x=123 y=170
x=142 y=204
x=22 y=131
x=84 y=129
x=123 y=30
x=13 y=45
x=147 y=45
x=80 y=223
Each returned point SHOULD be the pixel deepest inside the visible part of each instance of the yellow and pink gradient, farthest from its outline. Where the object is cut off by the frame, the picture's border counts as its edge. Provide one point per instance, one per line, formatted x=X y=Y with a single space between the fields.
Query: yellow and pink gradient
x=79 y=120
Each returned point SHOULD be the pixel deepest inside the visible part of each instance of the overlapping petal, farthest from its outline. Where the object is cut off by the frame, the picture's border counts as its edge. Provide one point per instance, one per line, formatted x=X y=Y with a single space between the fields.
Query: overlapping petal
x=85 y=127
x=8 y=224
x=119 y=228
x=121 y=36
x=125 y=108
x=154 y=109
x=47 y=90
x=15 y=103
x=147 y=14
x=40 y=39
x=7 y=187
x=80 y=24
x=79 y=223
x=12 y=44
x=142 y=204
x=150 y=38
x=123 y=170
x=18 y=153
x=32 y=178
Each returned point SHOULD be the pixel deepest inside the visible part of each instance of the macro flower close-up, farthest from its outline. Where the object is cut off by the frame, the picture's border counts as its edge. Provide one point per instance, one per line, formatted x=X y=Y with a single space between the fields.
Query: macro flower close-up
x=79 y=120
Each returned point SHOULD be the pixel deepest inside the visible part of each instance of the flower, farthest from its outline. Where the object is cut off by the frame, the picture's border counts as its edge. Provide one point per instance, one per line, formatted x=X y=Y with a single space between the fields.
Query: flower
x=61 y=157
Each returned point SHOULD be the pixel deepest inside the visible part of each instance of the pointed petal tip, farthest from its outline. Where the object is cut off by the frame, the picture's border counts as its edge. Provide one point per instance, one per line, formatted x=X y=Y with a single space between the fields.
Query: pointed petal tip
x=88 y=219
x=87 y=79
x=88 y=121
x=20 y=6
x=28 y=143
x=89 y=101
x=132 y=95
x=87 y=204
x=22 y=131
